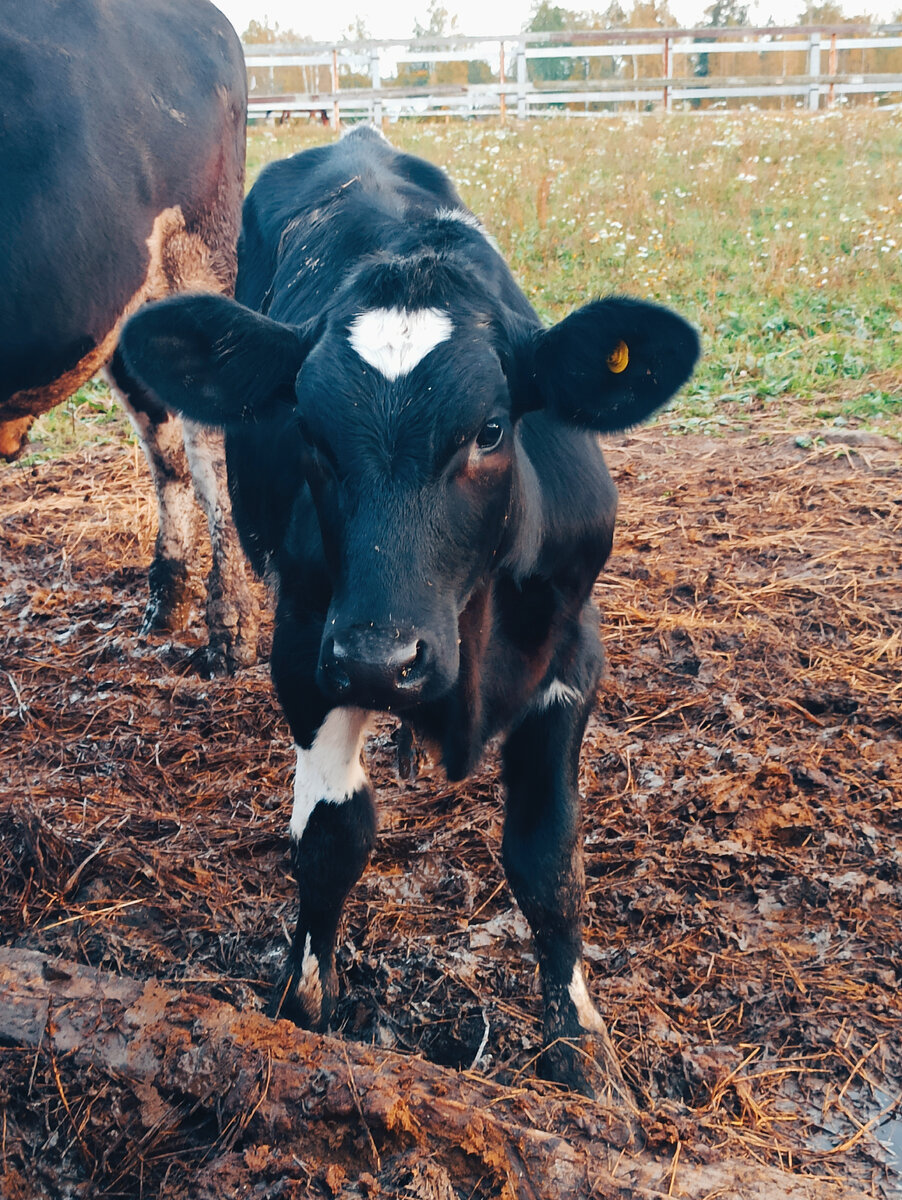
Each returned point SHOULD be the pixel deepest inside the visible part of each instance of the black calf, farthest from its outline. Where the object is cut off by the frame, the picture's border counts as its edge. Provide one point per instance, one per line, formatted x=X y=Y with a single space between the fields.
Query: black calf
x=411 y=457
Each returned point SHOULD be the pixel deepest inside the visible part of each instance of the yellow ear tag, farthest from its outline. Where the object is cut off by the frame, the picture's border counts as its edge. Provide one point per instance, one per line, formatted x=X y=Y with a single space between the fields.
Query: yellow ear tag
x=618 y=358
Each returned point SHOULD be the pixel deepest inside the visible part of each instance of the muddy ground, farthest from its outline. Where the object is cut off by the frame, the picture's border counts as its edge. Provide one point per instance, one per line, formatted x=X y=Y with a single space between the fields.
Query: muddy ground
x=742 y=777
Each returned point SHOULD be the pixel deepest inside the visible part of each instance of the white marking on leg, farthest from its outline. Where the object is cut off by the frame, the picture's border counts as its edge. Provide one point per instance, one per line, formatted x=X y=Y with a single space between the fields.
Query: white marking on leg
x=164 y=450
x=331 y=769
x=558 y=693
x=394 y=340
x=231 y=610
x=586 y=1012
x=309 y=985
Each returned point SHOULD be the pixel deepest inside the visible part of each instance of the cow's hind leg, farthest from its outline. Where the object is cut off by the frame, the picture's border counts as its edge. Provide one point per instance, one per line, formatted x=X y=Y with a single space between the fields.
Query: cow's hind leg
x=232 y=621
x=543 y=860
x=160 y=434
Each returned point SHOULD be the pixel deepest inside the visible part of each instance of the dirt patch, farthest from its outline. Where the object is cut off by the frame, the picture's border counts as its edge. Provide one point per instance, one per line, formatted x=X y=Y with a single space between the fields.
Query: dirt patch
x=743 y=783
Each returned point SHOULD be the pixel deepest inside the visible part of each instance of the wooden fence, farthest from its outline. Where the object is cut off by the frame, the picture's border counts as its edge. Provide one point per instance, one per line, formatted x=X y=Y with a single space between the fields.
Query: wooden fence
x=583 y=72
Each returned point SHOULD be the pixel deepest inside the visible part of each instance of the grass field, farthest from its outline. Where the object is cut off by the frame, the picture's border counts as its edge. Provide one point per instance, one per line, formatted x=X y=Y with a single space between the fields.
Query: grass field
x=779 y=235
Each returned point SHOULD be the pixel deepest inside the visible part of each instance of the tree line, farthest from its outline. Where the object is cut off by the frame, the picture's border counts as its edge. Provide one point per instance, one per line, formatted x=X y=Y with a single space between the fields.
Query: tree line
x=575 y=70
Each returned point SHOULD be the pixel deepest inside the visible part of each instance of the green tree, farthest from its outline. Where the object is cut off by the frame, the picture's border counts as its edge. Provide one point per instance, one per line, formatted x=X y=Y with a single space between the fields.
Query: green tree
x=440 y=23
x=550 y=18
x=722 y=14
x=828 y=13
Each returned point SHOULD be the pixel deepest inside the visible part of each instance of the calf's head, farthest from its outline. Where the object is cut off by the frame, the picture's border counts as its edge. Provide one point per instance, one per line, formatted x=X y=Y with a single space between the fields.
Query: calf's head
x=408 y=418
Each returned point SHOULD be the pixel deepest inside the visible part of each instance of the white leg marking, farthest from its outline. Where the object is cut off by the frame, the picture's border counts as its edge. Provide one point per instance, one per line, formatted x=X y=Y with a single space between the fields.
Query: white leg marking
x=165 y=453
x=203 y=454
x=558 y=693
x=587 y=1014
x=310 y=985
x=331 y=769
x=394 y=340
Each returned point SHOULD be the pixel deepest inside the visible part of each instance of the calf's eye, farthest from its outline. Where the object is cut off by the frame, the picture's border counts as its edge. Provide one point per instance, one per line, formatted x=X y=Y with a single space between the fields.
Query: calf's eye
x=489 y=437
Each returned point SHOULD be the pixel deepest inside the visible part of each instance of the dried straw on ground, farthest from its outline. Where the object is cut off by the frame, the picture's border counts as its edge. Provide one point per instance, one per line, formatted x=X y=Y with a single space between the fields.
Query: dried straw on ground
x=743 y=784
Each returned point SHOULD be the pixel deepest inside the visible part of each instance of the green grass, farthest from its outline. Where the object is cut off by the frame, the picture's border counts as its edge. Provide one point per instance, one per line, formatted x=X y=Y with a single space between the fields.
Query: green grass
x=777 y=234
x=90 y=417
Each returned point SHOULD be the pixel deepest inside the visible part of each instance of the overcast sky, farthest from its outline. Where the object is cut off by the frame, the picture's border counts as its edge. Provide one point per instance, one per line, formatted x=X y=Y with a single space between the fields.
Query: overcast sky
x=324 y=22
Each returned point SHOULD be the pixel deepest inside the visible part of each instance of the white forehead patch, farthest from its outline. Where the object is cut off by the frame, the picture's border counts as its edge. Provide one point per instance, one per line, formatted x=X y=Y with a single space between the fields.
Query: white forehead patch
x=394 y=340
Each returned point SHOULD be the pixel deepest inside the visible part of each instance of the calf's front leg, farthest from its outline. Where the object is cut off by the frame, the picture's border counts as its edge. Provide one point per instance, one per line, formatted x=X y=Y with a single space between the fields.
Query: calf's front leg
x=332 y=830
x=543 y=859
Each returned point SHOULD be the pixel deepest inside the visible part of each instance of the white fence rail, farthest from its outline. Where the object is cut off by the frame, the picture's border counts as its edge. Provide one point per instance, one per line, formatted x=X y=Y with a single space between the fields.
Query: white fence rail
x=354 y=79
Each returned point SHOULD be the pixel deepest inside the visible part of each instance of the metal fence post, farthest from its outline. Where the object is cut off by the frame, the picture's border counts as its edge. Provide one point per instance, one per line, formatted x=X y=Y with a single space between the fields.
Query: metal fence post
x=376 y=76
x=668 y=99
x=831 y=70
x=814 y=68
x=521 y=80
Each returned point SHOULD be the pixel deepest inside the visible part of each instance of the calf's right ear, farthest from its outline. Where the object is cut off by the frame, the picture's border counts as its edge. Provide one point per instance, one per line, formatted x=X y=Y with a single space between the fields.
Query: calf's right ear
x=213 y=360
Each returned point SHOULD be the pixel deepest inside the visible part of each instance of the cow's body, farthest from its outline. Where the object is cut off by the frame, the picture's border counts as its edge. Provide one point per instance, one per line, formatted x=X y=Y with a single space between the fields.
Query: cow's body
x=122 y=158
x=434 y=537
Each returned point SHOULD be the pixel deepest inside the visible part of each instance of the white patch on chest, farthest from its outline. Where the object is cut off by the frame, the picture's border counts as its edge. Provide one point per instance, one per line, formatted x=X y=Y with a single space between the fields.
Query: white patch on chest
x=557 y=693
x=394 y=340
x=331 y=769
x=586 y=1012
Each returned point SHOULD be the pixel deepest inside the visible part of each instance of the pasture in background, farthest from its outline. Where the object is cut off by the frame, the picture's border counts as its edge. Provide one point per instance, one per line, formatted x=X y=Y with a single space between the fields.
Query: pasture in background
x=777 y=234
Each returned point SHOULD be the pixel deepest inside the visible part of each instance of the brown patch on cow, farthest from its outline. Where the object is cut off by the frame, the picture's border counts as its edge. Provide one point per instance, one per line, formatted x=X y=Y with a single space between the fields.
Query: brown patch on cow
x=13 y=435
x=180 y=261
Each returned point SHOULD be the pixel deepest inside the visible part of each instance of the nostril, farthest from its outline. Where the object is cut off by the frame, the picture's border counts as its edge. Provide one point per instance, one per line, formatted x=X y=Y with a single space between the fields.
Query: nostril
x=377 y=665
x=336 y=650
x=333 y=658
x=410 y=664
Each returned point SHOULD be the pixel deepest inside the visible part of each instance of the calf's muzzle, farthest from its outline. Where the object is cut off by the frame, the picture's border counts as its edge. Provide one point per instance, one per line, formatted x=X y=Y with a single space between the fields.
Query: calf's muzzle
x=375 y=668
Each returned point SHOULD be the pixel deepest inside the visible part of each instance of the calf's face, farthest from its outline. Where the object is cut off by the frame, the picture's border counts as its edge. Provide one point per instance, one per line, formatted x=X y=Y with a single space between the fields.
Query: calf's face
x=411 y=455
x=408 y=418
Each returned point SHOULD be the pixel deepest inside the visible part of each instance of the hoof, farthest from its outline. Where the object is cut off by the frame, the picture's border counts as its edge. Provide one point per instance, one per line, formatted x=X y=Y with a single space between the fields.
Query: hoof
x=242 y=652
x=169 y=604
x=587 y=1064
x=209 y=662
x=305 y=994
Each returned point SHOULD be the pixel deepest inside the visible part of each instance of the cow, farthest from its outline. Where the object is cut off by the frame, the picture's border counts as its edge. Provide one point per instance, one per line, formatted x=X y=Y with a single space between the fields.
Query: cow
x=122 y=157
x=413 y=459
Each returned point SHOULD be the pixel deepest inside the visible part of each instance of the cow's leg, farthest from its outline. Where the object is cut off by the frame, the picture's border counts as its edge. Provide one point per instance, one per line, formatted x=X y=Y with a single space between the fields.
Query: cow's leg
x=543 y=859
x=333 y=824
x=160 y=434
x=232 y=621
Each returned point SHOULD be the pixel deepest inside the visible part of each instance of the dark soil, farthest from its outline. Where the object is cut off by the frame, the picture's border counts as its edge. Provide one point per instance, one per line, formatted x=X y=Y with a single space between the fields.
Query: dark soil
x=743 y=810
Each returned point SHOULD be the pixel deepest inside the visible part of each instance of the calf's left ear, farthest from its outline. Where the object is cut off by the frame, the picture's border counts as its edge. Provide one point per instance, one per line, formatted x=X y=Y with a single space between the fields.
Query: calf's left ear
x=611 y=364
